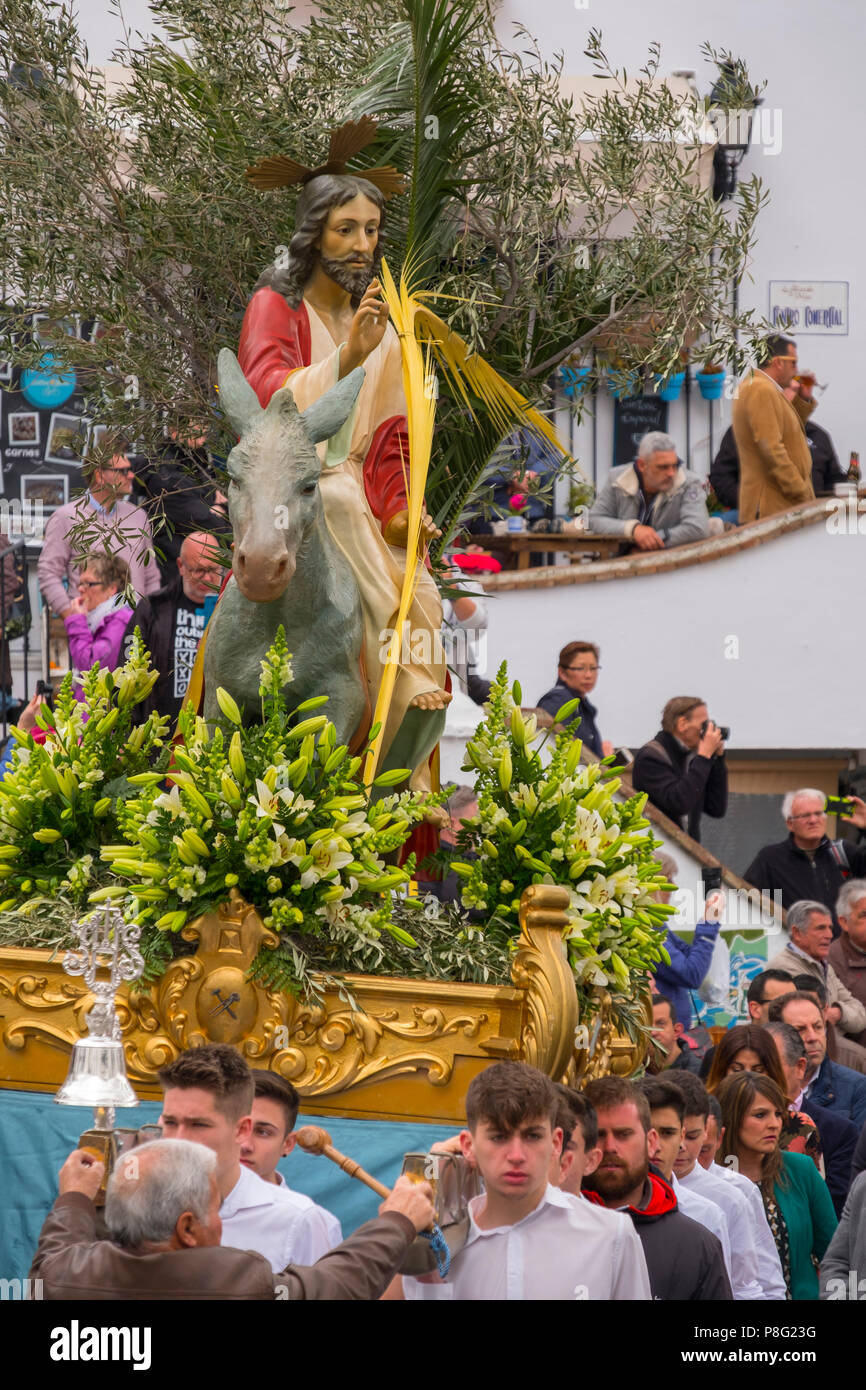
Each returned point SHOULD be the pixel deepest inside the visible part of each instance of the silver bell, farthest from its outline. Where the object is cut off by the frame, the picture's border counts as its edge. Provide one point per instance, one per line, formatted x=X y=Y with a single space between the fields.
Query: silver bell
x=97 y=1069
x=97 y=1075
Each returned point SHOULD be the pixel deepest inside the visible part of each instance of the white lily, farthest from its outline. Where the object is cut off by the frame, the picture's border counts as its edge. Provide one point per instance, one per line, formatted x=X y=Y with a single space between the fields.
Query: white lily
x=328 y=857
x=276 y=803
x=169 y=801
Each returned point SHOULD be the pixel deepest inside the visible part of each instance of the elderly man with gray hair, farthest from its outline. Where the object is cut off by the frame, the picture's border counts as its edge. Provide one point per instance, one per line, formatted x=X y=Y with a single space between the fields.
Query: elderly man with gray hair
x=162 y=1213
x=847 y=955
x=808 y=865
x=654 y=503
x=811 y=929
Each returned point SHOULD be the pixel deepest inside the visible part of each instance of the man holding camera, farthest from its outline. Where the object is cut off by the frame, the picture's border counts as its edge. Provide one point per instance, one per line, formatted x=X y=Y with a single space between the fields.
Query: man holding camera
x=808 y=864
x=682 y=769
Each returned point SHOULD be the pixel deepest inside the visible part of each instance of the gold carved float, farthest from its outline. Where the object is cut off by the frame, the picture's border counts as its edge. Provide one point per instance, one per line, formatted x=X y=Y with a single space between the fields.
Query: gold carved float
x=376 y=1047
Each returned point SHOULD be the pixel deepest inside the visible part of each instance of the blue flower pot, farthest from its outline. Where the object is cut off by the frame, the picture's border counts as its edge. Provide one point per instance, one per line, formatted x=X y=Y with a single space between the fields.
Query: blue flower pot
x=669 y=388
x=711 y=385
x=574 y=379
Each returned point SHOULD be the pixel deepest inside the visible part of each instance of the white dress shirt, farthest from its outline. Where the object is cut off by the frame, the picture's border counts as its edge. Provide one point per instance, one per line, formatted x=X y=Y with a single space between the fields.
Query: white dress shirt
x=769 y=1265
x=708 y=1213
x=745 y=1280
x=566 y=1249
x=284 y=1226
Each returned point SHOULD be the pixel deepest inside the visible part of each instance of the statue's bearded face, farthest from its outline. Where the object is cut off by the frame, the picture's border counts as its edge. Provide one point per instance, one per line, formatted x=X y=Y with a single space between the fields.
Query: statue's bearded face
x=348 y=243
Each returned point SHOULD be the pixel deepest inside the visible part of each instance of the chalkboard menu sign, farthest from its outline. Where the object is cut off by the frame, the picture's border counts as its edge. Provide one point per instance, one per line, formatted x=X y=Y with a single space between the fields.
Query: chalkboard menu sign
x=44 y=429
x=631 y=420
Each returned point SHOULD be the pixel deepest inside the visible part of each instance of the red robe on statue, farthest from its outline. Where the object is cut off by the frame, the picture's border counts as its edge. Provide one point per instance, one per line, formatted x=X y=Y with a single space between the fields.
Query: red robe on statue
x=275 y=341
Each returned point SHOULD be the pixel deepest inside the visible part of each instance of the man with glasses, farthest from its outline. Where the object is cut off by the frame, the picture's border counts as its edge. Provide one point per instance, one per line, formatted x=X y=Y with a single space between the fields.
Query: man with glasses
x=576 y=675
x=808 y=865
x=103 y=519
x=654 y=503
x=775 y=462
x=173 y=621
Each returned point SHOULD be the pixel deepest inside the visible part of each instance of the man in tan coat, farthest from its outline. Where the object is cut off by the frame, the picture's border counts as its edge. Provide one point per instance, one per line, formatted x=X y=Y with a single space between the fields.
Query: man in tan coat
x=775 y=462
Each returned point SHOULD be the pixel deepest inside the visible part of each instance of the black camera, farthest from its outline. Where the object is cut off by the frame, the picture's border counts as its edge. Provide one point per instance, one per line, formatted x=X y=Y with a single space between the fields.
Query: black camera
x=722 y=728
x=46 y=690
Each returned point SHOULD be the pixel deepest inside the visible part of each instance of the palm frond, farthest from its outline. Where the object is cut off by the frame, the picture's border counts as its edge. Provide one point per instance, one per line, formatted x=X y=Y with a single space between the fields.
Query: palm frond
x=420 y=412
x=426 y=107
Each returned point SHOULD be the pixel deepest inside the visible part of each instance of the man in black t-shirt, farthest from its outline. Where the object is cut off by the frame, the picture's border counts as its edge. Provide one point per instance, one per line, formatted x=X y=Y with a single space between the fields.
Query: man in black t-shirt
x=172 y=622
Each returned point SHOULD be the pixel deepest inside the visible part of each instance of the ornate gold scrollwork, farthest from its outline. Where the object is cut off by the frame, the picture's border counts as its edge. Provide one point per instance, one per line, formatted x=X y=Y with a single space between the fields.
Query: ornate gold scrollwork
x=374 y=1030
x=541 y=968
x=612 y=1052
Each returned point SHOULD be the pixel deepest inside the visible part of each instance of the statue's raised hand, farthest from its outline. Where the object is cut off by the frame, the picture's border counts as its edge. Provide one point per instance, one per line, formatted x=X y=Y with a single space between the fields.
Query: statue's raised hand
x=367 y=331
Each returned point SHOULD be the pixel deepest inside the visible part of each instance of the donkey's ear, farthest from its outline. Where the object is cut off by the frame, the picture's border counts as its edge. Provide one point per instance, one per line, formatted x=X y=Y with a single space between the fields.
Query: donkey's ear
x=237 y=399
x=330 y=412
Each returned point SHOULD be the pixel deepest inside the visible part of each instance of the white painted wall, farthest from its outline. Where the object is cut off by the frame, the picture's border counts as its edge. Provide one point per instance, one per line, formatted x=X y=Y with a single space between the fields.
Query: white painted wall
x=792 y=604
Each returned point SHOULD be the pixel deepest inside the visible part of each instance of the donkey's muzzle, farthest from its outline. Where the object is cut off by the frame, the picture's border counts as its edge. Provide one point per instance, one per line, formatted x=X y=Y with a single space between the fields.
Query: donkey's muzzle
x=260 y=577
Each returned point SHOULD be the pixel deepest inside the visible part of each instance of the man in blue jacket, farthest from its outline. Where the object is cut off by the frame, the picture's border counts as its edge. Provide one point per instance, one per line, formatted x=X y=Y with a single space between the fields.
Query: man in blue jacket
x=836 y=1088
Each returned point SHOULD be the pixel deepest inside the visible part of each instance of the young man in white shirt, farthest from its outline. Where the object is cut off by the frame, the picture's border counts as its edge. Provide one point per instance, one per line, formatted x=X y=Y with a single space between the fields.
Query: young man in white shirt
x=271 y=1137
x=665 y=1140
x=752 y=1240
x=529 y=1240
x=208 y=1098
x=581 y=1151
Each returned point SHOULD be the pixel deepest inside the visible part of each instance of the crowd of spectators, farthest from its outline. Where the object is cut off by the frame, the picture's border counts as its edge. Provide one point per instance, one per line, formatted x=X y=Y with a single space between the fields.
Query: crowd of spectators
x=665 y=1188
x=110 y=566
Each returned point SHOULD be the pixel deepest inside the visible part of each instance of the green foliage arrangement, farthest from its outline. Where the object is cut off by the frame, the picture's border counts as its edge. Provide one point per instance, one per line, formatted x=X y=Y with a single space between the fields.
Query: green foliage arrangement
x=556 y=821
x=274 y=810
x=59 y=800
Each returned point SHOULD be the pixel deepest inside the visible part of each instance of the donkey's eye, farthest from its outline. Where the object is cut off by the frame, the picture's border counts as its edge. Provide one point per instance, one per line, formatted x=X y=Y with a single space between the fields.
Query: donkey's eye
x=309 y=490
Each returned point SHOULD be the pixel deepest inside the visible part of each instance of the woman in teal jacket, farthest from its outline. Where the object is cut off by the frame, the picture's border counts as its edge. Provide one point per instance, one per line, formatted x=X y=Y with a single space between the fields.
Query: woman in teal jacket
x=798 y=1205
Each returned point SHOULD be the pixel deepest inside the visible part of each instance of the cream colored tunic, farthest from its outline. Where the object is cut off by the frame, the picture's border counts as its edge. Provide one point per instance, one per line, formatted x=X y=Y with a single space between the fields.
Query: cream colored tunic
x=378 y=567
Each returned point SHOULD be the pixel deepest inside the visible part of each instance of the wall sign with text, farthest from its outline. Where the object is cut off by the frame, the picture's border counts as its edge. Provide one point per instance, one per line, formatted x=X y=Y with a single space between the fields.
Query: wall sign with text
x=632 y=419
x=814 y=307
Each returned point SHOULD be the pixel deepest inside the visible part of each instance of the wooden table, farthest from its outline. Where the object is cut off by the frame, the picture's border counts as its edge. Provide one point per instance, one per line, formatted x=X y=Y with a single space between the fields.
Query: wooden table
x=519 y=545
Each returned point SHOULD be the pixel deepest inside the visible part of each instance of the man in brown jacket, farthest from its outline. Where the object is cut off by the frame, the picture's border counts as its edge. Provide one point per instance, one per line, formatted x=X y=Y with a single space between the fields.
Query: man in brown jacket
x=848 y=952
x=775 y=462
x=162 y=1212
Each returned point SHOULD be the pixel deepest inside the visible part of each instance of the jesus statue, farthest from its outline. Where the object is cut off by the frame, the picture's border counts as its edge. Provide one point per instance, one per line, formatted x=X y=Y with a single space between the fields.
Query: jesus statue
x=307 y=325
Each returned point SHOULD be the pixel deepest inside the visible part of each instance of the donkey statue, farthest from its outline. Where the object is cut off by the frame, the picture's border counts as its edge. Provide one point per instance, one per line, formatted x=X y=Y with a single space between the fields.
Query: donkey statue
x=287 y=569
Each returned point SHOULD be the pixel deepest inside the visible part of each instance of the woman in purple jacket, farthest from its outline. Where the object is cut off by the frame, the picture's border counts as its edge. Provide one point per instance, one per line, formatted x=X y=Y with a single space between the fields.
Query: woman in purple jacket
x=98 y=617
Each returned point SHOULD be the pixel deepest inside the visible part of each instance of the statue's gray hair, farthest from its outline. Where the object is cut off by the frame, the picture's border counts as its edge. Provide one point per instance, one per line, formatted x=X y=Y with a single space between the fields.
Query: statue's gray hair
x=788 y=803
x=850 y=895
x=656 y=442
x=175 y=1179
x=800 y=913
